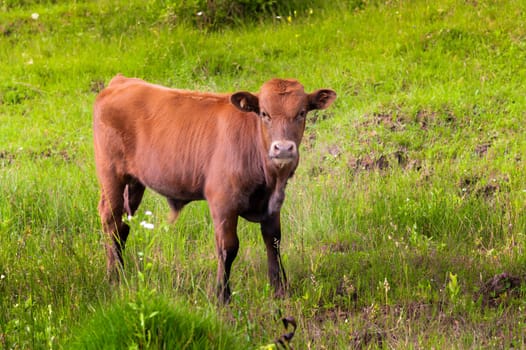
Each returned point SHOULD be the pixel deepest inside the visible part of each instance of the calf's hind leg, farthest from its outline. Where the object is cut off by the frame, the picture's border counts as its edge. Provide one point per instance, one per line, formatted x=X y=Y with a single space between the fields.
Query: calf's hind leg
x=227 y=245
x=117 y=198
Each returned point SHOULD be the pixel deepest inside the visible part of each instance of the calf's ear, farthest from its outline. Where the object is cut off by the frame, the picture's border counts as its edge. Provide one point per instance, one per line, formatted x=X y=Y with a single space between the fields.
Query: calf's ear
x=321 y=99
x=245 y=101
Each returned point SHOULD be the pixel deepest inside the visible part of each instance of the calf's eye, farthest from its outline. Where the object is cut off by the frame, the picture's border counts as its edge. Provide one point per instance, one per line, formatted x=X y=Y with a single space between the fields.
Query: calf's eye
x=265 y=117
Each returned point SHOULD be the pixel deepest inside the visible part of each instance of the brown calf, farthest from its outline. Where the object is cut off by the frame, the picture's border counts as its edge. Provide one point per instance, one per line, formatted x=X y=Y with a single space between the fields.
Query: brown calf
x=237 y=151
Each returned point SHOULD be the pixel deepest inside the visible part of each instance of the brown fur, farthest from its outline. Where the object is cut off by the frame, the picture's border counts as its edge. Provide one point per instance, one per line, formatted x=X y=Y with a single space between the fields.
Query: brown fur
x=237 y=151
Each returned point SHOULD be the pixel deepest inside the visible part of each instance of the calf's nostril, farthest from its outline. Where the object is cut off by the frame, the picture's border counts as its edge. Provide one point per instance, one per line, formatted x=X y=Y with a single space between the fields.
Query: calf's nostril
x=283 y=149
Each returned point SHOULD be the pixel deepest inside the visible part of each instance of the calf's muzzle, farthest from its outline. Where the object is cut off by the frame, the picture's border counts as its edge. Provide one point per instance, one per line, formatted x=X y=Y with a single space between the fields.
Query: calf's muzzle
x=283 y=152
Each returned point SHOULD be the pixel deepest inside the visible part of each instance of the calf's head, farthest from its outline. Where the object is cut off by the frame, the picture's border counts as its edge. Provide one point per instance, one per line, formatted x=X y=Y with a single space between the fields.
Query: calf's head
x=282 y=106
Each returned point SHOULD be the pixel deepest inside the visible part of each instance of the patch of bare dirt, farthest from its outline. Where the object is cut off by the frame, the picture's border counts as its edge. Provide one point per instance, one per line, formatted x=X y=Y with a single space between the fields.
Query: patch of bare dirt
x=482 y=149
x=368 y=163
x=96 y=86
x=389 y=121
x=371 y=337
x=425 y=118
x=26 y=25
x=334 y=150
x=309 y=140
x=405 y=162
x=500 y=288
x=383 y=161
x=475 y=186
x=319 y=115
x=397 y=120
x=8 y=157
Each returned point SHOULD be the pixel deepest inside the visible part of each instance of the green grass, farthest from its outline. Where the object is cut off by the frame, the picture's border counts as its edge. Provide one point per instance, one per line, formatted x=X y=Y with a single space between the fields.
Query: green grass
x=410 y=195
x=149 y=321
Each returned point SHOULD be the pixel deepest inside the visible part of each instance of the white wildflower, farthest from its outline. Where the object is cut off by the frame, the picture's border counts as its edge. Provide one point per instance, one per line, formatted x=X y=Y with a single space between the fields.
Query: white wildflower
x=149 y=213
x=35 y=16
x=147 y=225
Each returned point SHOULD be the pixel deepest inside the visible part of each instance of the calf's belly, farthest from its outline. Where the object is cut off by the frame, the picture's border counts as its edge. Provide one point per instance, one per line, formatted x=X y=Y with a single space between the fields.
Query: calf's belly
x=172 y=185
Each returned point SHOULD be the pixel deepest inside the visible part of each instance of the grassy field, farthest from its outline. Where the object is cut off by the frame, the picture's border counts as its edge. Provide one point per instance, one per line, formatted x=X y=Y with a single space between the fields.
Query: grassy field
x=404 y=226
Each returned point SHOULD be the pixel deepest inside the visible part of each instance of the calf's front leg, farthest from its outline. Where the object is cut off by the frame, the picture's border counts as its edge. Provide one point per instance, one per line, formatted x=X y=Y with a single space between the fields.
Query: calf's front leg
x=271 y=231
